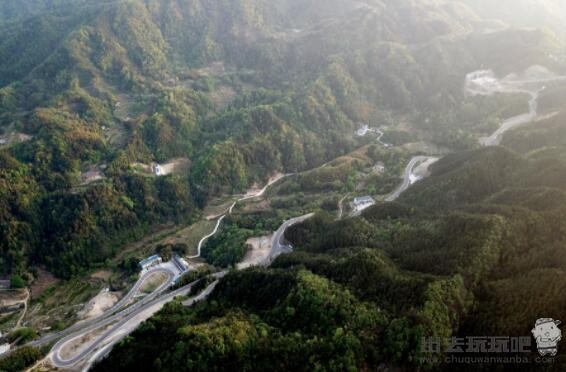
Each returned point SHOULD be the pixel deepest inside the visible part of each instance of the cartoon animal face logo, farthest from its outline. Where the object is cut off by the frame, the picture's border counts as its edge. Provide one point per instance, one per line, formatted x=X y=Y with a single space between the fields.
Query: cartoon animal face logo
x=547 y=335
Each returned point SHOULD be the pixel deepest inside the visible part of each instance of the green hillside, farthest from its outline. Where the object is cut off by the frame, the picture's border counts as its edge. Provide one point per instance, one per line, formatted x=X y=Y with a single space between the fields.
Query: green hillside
x=225 y=94
x=451 y=258
x=242 y=89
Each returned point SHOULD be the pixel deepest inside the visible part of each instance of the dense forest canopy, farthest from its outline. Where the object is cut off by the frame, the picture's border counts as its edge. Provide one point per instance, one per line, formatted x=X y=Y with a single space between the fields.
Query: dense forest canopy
x=96 y=96
x=451 y=258
x=242 y=89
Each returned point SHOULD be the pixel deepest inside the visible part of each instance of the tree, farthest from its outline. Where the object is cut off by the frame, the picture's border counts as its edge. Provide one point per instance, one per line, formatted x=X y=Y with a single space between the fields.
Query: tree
x=165 y=251
x=17 y=281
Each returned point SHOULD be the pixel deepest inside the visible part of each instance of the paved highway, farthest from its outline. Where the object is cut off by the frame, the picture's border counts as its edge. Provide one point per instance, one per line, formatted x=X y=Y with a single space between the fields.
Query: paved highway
x=115 y=318
x=103 y=345
x=79 y=326
x=109 y=317
x=120 y=321
x=495 y=138
x=484 y=82
x=145 y=309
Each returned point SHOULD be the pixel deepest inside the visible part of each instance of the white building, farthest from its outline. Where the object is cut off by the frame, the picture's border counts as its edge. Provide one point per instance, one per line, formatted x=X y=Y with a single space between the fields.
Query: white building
x=379 y=168
x=157 y=170
x=362 y=131
x=362 y=203
x=150 y=262
x=181 y=264
x=4 y=348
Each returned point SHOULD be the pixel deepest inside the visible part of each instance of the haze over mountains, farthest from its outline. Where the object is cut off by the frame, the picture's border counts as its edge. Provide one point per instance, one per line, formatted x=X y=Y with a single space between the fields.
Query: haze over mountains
x=224 y=94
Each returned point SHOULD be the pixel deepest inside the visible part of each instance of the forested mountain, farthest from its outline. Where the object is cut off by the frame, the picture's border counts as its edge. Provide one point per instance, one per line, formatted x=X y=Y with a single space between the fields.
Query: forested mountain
x=95 y=94
x=241 y=88
x=477 y=248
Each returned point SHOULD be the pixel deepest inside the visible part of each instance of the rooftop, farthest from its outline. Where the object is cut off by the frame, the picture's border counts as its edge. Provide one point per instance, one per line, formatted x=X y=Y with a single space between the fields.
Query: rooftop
x=150 y=259
x=364 y=200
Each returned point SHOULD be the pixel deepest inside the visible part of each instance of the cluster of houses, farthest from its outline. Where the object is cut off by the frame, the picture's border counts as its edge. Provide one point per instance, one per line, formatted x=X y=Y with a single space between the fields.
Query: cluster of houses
x=379 y=168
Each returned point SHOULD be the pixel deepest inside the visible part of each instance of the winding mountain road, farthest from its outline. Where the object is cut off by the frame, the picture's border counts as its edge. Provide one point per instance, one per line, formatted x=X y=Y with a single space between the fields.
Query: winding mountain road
x=121 y=322
x=138 y=312
x=80 y=326
x=409 y=176
x=252 y=195
x=278 y=247
x=485 y=83
x=495 y=138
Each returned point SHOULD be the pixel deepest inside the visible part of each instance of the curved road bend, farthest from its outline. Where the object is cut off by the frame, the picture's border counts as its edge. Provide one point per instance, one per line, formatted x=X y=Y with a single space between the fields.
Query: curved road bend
x=102 y=345
x=201 y=242
x=246 y=197
x=122 y=317
x=84 y=324
x=408 y=180
x=513 y=122
x=277 y=247
x=484 y=83
x=107 y=318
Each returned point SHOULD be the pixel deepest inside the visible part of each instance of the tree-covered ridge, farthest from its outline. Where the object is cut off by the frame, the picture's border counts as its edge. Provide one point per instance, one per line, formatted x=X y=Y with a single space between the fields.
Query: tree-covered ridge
x=245 y=336
x=239 y=88
x=489 y=262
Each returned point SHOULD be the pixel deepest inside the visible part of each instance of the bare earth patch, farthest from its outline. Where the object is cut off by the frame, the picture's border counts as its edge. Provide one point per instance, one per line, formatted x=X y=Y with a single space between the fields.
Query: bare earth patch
x=257 y=190
x=177 y=166
x=12 y=297
x=258 y=252
x=98 y=305
x=43 y=280
x=103 y=275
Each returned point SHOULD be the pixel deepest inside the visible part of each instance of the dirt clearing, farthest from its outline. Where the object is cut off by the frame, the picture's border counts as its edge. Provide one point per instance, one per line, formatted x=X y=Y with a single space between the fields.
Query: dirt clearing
x=258 y=252
x=99 y=304
x=43 y=280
